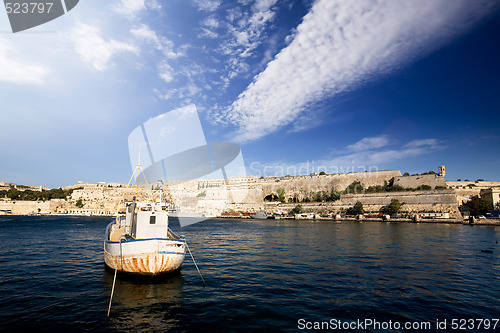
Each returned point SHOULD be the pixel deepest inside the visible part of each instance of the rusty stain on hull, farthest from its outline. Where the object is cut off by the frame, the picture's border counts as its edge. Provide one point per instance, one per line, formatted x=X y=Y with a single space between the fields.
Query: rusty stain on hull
x=145 y=263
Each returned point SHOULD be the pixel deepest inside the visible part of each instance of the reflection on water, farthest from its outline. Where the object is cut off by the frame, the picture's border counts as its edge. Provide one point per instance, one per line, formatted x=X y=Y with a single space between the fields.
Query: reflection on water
x=149 y=304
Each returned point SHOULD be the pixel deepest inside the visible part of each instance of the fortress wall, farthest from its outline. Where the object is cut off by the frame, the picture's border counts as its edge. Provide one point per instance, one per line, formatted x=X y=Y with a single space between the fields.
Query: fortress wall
x=410 y=197
x=26 y=207
x=50 y=207
x=107 y=198
x=478 y=183
x=302 y=185
x=246 y=194
x=441 y=201
x=416 y=181
x=212 y=201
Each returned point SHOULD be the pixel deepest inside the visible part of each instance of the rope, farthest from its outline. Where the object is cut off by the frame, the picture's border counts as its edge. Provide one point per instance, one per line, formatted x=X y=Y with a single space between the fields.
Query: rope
x=195 y=263
x=112 y=292
x=114 y=279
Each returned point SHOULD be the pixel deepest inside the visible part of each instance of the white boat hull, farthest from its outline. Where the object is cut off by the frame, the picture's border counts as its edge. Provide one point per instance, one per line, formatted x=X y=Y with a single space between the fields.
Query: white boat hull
x=145 y=256
x=259 y=215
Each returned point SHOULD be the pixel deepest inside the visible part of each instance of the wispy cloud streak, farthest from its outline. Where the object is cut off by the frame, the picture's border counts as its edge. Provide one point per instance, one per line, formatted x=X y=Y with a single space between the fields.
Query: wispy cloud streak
x=15 y=70
x=95 y=50
x=340 y=45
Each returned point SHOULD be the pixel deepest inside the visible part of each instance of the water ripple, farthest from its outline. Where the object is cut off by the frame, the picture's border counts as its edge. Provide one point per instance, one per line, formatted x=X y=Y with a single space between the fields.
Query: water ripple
x=260 y=275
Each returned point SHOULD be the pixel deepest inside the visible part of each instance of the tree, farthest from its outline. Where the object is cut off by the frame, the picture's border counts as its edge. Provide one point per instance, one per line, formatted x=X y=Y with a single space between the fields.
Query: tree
x=355 y=187
x=297 y=209
x=394 y=207
x=485 y=206
x=322 y=173
x=334 y=195
x=406 y=174
x=281 y=194
x=480 y=206
x=79 y=203
x=356 y=209
x=424 y=187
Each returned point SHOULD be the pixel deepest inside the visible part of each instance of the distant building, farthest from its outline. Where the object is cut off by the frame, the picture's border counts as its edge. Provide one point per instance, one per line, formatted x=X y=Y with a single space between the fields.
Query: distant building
x=442 y=170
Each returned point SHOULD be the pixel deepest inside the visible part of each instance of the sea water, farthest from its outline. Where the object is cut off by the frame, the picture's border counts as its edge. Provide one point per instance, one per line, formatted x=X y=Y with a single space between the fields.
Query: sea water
x=261 y=275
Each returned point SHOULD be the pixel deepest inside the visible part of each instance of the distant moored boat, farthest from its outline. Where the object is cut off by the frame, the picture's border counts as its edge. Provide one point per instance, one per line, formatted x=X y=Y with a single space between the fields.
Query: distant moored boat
x=261 y=215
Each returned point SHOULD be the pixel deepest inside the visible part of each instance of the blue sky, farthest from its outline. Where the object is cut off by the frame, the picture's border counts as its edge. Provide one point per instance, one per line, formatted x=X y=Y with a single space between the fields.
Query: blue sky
x=302 y=86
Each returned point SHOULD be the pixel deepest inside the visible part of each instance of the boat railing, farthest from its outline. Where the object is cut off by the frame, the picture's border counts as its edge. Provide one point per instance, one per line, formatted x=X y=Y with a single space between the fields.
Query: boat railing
x=172 y=235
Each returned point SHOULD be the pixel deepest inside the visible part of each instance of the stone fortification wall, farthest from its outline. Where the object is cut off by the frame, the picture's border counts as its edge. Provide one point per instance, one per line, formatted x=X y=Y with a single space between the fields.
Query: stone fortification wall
x=439 y=201
x=416 y=181
x=104 y=200
x=467 y=184
x=246 y=194
x=27 y=207
x=212 y=197
x=301 y=186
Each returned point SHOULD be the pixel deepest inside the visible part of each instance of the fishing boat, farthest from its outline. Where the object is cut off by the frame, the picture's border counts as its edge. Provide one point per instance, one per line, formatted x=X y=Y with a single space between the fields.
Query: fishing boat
x=141 y=242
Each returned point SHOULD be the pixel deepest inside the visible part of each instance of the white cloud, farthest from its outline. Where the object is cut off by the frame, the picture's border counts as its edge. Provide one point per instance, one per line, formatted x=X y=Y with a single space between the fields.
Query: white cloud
x=132 y=8
x=244 y=32
x=129 y=8
x=164 y=63
x=143 y=32
x=15 y=70
x=161 y=43
x=165 y=72
x=422 y=143
x=248 y=30
x=368 y=154
x=154 y=4
x=207 y=5
x=377 y=151
x=210 y=22
x=369 y=143
x=208 y=27
x=93 y=49
x=339 y=45
x=205 y=32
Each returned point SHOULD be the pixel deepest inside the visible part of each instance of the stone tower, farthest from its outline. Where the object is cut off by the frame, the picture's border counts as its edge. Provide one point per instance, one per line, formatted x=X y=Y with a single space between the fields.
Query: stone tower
x=442 y=170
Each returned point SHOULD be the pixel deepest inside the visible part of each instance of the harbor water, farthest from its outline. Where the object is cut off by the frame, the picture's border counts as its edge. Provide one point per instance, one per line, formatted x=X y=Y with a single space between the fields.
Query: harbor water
x=261 y=275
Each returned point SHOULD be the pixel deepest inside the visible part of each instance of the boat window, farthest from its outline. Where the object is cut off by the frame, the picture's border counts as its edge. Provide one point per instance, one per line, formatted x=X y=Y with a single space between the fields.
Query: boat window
x=152 y=220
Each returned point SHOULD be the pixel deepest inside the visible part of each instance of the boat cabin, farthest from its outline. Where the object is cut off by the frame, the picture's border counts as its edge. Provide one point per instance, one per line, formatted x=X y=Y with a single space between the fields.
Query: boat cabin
x=146 y=220
x=141 y=221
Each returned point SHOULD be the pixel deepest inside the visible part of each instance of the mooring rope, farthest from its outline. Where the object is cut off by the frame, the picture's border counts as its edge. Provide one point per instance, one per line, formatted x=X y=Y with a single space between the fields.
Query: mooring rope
x=195 y=263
